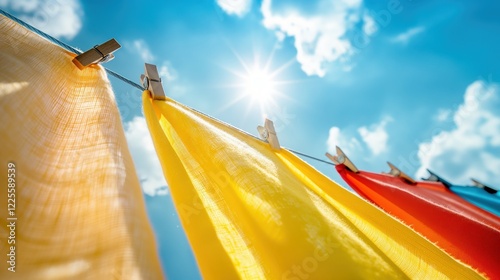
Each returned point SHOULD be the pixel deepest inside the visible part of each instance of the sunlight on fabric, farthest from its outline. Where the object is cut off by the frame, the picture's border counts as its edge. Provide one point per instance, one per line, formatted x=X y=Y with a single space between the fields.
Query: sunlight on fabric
x=244 y=221
x=69 y=269
x=436 y=213
x=8 y=88
x=79 y=211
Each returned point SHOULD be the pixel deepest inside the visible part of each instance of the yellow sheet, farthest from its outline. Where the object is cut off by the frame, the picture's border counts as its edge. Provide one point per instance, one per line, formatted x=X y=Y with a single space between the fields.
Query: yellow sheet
x=253 y=213
x=79 y=209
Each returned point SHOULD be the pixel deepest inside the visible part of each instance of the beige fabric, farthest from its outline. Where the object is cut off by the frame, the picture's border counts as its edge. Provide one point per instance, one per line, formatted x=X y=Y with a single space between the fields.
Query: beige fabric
x=79 y=208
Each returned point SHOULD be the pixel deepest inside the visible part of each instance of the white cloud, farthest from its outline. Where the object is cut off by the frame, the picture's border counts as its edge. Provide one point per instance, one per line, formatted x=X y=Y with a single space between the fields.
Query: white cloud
x=472 y=147
x=168 y=76
x=322 y=36
x=376 y=137
x=369 y=26
x=146 y=161
x=59 y=18
x=405 y=37
x=235 y=7
x=141 y=47
x=165 y=69
x=167 y=72
x=443 y=115
x=336 y=138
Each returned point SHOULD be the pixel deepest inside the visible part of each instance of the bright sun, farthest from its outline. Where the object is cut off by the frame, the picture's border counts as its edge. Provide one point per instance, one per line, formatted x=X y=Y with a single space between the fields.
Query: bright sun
x=259 y=85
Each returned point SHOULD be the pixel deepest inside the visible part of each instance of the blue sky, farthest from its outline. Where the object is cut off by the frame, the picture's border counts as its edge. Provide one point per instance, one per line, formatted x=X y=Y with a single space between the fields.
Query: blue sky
x=414 y=82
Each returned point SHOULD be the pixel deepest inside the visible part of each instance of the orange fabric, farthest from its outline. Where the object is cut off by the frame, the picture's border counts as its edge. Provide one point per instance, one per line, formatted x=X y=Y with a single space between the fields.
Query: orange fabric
x=467 y=232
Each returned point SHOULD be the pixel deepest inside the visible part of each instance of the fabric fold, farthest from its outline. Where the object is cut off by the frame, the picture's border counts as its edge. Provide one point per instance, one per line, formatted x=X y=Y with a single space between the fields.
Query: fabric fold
x=464 y=230
x=479 y=197
x=252 y=213
x=78 y=204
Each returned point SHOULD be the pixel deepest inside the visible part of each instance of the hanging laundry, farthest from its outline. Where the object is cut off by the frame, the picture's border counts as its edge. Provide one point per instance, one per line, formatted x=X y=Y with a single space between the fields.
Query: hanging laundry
x=489 y=201
x=76 y=208
x=480 y=195
x=465 y=231
x=253 y=213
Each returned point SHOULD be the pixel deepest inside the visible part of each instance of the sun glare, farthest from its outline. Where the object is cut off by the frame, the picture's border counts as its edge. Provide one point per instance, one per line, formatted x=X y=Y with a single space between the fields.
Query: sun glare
x=259 y=85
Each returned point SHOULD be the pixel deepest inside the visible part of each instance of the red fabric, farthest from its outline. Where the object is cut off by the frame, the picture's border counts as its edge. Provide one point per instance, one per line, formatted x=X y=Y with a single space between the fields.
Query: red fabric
x=465 y=231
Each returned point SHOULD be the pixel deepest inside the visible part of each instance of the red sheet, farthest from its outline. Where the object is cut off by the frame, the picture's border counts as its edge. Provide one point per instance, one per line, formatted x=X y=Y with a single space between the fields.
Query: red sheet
x=465 y=231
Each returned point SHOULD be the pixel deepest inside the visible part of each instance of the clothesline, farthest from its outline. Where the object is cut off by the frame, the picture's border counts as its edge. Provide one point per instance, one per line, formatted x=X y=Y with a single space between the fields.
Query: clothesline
x=244 y=211
x=126 y=80
x=67 y=47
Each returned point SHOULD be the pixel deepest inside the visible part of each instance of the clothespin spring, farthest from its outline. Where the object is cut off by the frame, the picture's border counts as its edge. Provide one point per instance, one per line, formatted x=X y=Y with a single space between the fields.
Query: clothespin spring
x=105 y=58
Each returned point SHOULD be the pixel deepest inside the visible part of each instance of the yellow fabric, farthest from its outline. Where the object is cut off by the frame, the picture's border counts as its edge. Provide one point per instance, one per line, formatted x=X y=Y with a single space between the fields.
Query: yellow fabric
x=253 y=213
x=79 y=208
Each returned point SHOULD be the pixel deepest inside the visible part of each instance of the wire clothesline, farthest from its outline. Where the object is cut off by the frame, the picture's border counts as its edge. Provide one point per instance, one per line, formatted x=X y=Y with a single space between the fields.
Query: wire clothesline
x=128 y=81
x=67 y=47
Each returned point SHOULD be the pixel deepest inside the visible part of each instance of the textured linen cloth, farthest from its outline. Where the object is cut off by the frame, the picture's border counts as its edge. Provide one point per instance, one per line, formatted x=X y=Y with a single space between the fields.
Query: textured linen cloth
x=253 y=213
x=78 y=203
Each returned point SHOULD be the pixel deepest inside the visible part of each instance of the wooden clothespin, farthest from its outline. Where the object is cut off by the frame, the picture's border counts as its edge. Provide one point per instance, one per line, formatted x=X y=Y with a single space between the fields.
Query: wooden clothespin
x=97 y=54
x=478 y=184
x=268 y=133
x=398 y=173
x=433 y=177
x=151 y=81
x=341 y=158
